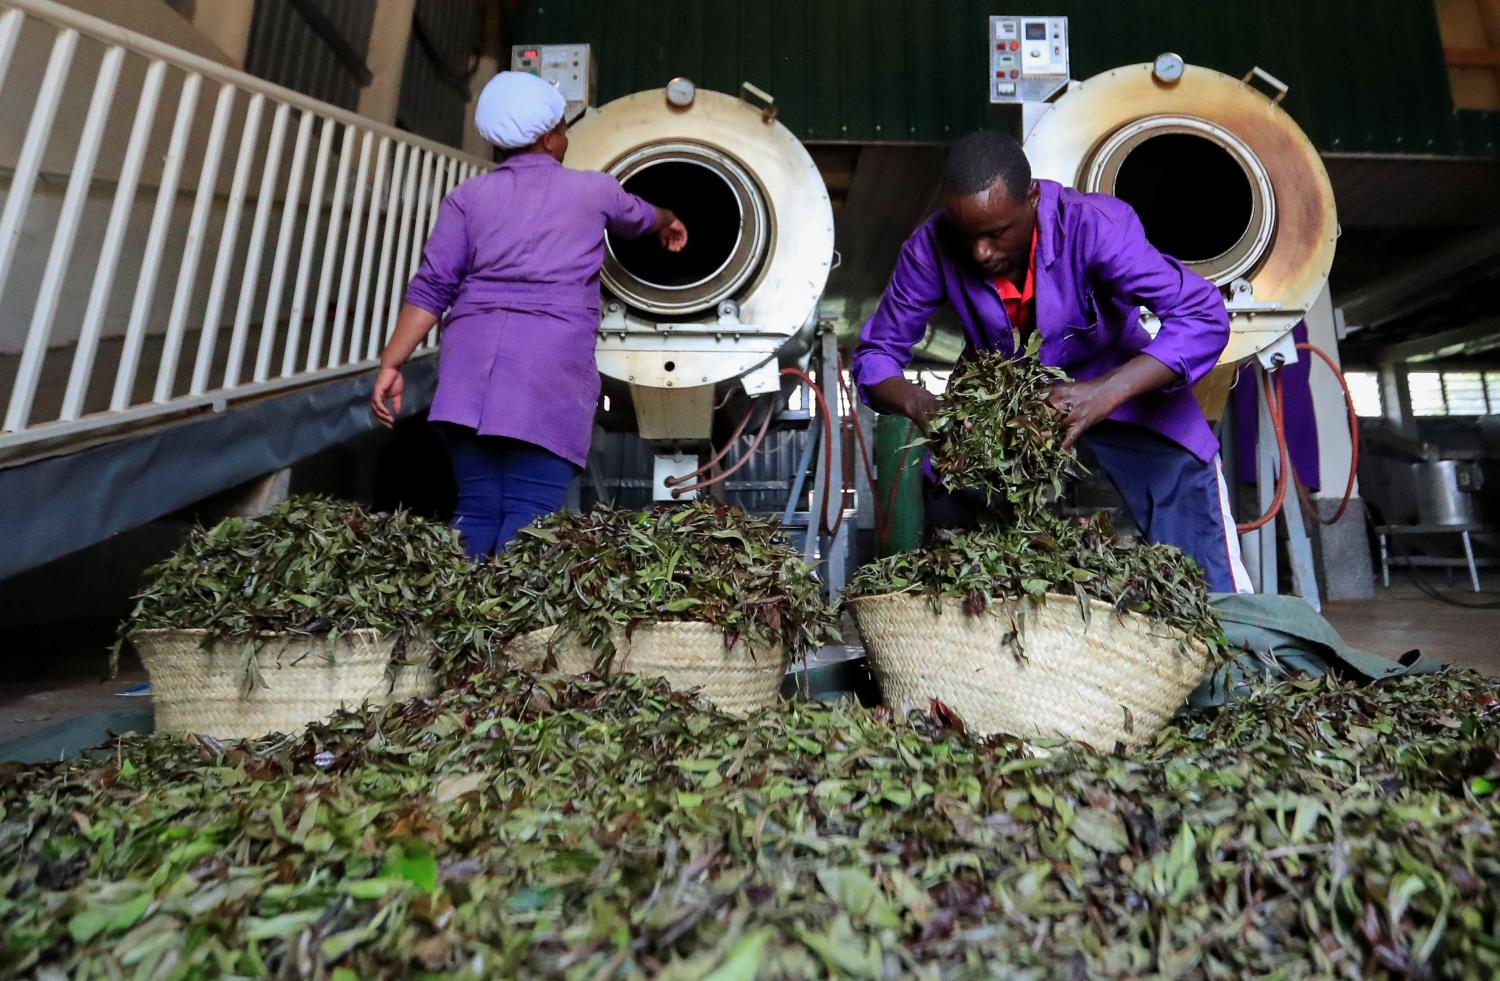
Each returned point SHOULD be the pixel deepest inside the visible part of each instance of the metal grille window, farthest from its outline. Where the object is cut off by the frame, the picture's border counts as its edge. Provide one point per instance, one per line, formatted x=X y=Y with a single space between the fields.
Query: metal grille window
x=1454 y=393
x=1365 y=387
x=316 y=47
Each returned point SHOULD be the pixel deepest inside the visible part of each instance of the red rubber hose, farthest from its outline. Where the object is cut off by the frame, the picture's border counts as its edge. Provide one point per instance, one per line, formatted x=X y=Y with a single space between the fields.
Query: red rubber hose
x=760 y=436
x=723 y=452
x=1278 y=426
x=1353 y=429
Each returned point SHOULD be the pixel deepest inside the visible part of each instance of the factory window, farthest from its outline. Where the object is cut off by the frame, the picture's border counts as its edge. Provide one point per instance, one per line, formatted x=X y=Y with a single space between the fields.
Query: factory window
x=1365 y=387
x=1454 y=393
x=1463 y=392
x=1426 y=393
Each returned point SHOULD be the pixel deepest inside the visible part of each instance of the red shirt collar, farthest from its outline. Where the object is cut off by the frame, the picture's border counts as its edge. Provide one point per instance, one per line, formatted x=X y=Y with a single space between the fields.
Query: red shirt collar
x=1008 y=289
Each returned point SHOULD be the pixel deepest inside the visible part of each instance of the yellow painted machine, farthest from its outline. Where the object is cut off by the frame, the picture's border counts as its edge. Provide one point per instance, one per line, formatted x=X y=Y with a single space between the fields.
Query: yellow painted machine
x=1221 y=177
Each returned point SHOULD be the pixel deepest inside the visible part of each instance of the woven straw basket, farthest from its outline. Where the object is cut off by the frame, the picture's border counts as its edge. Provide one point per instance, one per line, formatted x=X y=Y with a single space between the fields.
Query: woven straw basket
x=197 y=690
x=689 y=654
x=1118 y=679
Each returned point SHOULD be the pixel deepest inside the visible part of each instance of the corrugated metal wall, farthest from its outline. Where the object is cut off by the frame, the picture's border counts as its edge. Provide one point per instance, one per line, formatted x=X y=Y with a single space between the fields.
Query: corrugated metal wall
x=283 y=48
x=1366 y=76
x=434 y=84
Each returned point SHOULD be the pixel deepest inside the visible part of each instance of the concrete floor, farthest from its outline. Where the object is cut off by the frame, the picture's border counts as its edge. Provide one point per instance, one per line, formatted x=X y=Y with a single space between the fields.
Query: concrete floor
x=33 y=705
x=1401 y=618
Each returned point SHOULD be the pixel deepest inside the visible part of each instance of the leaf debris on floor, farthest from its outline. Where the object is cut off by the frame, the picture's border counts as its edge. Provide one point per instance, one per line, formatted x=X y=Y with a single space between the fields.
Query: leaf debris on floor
x=554 y=827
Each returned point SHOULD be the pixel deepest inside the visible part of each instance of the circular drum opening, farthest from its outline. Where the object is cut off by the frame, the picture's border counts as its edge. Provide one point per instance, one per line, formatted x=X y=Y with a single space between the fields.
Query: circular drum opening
x=1192 y=196
x=1201 y=194
x=708 y=207
x=728 y=225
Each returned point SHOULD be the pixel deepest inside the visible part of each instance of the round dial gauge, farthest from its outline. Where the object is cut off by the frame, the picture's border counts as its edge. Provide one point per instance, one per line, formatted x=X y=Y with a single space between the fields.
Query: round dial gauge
x=680 y=92
x=1167 y=67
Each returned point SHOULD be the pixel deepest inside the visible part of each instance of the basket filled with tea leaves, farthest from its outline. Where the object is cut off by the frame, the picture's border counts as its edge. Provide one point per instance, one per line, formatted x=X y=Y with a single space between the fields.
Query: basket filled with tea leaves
x=706 y=596
x=261 y=625
x=1033 y=624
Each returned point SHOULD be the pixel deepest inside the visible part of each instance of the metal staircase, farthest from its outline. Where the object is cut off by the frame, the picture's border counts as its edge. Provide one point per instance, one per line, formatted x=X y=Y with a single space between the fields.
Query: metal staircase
x=181 y=241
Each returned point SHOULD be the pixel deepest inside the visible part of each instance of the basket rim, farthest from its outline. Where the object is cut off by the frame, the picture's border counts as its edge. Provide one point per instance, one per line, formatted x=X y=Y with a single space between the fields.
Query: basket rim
x=1198 y=644
x=204 y=632
x=777 y=648
x=640 y=626
x=954 y=600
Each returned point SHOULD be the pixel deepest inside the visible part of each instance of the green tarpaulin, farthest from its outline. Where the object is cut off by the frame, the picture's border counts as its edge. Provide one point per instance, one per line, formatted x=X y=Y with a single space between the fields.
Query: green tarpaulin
x=1283 y=635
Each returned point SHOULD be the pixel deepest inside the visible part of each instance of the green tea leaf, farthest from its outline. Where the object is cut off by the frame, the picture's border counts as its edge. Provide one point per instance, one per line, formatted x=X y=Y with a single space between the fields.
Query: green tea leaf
x=742 y=963
x=414 y=862
x=1101 y=830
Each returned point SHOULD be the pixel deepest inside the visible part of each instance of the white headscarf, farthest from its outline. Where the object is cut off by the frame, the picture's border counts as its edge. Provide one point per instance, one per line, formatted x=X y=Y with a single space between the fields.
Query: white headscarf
x=517 y=108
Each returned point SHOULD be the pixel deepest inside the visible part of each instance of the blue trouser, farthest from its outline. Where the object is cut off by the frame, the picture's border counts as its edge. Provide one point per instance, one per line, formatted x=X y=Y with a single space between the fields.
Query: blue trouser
x=1173 y=496
x=504 y=484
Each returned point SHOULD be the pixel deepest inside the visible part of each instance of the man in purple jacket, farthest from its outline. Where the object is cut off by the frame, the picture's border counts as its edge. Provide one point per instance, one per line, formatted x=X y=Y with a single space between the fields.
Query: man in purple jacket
x=1012 y=255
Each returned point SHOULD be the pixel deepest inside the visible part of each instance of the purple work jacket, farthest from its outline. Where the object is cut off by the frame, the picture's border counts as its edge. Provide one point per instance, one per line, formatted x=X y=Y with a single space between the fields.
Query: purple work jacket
x=512 y=267
x=1094 y=271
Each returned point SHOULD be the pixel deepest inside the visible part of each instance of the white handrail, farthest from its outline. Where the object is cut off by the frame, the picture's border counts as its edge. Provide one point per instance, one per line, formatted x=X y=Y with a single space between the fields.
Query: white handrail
x=272 y=311
x=102 y=30
x=22 y=184
x=109 y=256
x=192 y=250
x=84 y=159
x=351 y=251
x=156 y=242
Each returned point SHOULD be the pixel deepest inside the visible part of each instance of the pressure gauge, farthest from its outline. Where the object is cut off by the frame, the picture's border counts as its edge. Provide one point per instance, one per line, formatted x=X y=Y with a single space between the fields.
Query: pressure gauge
x=1168 y=67
x=680 y=92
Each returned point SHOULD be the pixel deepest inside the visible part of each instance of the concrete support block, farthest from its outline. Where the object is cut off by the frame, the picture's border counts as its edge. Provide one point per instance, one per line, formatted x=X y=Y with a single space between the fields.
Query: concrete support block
x=390 y=33
x=1341 y=551
x=252 y=499
x=473 y=142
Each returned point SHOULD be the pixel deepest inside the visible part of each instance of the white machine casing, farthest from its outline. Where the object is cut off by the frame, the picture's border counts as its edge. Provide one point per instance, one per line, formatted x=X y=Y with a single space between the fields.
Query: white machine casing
x=679 y=345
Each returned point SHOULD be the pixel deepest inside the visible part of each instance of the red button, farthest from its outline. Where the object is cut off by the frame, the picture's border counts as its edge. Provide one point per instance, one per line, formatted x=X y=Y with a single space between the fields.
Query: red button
x=1000 y=74
x=1015 y=45
x=1014 y=73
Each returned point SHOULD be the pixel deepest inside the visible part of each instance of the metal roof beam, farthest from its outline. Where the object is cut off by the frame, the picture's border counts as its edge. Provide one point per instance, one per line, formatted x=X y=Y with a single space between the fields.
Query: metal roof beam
x=1482 y=335
x=1422 y=283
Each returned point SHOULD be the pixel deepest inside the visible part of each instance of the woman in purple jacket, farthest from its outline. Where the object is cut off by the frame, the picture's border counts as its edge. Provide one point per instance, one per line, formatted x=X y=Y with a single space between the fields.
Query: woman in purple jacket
x=512 y=271
x=1012 y=255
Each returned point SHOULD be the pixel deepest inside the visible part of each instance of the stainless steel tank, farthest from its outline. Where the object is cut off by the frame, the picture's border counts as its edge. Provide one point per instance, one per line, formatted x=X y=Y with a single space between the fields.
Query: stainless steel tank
x=1451 y=492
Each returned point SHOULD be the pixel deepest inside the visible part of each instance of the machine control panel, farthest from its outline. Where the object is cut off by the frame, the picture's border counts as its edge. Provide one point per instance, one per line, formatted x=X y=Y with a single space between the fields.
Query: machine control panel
x=568 y=66
x=1028 y=58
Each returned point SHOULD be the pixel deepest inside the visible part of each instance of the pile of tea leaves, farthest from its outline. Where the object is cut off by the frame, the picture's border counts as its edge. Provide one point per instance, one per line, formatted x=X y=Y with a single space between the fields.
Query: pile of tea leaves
x=313 y=565
x=1078 y=557
x=520 y=826
x=597 y=573
x=996 y=435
